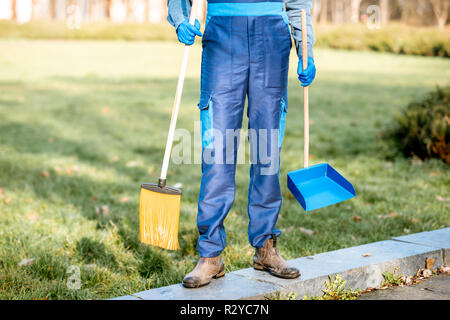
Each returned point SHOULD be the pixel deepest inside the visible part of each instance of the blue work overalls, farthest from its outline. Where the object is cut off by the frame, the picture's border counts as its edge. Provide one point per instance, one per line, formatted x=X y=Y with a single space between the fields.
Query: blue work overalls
x=246 y=47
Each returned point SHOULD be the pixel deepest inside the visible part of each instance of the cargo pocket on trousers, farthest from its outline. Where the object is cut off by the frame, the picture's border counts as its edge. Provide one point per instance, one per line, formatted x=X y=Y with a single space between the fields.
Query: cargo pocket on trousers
x=206 y=118
x=283 y=112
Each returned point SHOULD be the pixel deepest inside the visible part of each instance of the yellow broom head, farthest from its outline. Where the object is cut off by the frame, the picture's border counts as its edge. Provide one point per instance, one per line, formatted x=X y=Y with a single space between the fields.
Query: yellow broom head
x=159 y=215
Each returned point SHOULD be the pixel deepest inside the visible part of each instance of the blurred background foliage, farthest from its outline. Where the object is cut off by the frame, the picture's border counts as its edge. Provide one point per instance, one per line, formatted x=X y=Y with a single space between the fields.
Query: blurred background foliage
x=416 y=27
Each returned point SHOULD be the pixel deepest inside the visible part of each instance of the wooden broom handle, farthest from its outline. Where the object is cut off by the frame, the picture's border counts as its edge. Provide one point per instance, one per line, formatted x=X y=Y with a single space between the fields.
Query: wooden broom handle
x=196 y=7
x=305 y=91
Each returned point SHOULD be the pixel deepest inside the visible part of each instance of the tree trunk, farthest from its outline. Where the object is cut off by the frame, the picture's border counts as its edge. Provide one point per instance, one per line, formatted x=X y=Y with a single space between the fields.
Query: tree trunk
x=384 y=7
x=440 y=8
x=147 y=10
x=130 y=11
x=338 y=11
x=355 y=5
x=324 y=11
x=52 y=9
x=13 y=10
x=316 y=7
x=108 y=9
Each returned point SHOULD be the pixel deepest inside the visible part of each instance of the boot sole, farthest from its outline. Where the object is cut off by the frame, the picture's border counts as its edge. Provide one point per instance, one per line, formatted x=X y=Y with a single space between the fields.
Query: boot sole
x=194 y=286
x=273 y=273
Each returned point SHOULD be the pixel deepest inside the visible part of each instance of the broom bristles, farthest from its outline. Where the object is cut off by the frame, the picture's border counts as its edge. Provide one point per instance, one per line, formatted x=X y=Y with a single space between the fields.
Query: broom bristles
x=159 y=215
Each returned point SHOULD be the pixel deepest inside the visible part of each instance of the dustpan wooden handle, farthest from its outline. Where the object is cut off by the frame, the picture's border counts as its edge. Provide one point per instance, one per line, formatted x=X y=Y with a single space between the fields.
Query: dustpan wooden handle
x=196 y=7
x=305 y=91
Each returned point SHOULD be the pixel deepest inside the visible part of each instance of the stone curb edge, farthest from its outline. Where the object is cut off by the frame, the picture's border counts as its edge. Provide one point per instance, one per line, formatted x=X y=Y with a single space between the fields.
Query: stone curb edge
x=361 y=266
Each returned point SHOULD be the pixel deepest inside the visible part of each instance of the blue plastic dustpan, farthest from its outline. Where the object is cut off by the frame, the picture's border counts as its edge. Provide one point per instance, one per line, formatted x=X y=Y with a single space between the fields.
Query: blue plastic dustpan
x=319 y=186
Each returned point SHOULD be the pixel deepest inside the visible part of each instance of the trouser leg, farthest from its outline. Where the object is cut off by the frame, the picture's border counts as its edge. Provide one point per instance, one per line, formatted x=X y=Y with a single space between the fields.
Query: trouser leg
x=224 y=87
x=269 y=63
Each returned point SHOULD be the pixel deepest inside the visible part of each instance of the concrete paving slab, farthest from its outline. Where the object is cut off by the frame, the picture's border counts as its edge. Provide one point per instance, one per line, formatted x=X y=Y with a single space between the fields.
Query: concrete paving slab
x=230 y=287
x=437 y=238
x=360 y=272
x=435 y=288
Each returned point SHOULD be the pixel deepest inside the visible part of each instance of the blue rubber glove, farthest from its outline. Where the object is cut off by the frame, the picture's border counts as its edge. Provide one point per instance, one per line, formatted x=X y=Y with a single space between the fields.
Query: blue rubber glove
x=307 y=76
x=186 y=32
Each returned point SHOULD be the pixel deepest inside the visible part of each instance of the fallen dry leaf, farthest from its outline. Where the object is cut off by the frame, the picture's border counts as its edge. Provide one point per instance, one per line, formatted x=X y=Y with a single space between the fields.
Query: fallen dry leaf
x=419 y=272
x=416 y=161
x=427 y=273
x=178 y=185
x=45 y=174
x=365 y=255
x=357 y=218
x=124 y=199
x=306 y=231
x=105 y=110
x=132 y=164
x=26 y=262
x=32 y=216
x=114 y=159
x=447 y=119
x=445 y=270
x=72 y=169
x=429 y=263
x=439 y=198
x=105 y=210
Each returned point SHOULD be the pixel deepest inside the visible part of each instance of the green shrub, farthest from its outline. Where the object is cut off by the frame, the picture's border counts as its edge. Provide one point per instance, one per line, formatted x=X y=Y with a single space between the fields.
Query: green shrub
x=89 y=31
x=423 y=128
x=393 y=38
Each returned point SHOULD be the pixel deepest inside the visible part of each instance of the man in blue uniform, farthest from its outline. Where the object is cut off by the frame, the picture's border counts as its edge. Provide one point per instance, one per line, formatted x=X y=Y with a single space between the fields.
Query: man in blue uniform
x=246 y=47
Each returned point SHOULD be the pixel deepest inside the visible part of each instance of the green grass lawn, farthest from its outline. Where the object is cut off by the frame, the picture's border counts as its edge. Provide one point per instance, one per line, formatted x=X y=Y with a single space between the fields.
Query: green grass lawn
x=82 y=124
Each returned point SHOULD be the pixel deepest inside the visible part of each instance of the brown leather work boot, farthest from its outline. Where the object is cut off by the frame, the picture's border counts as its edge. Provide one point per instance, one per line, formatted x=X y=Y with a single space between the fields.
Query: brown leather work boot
x=205 y=270
x=268 y=259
